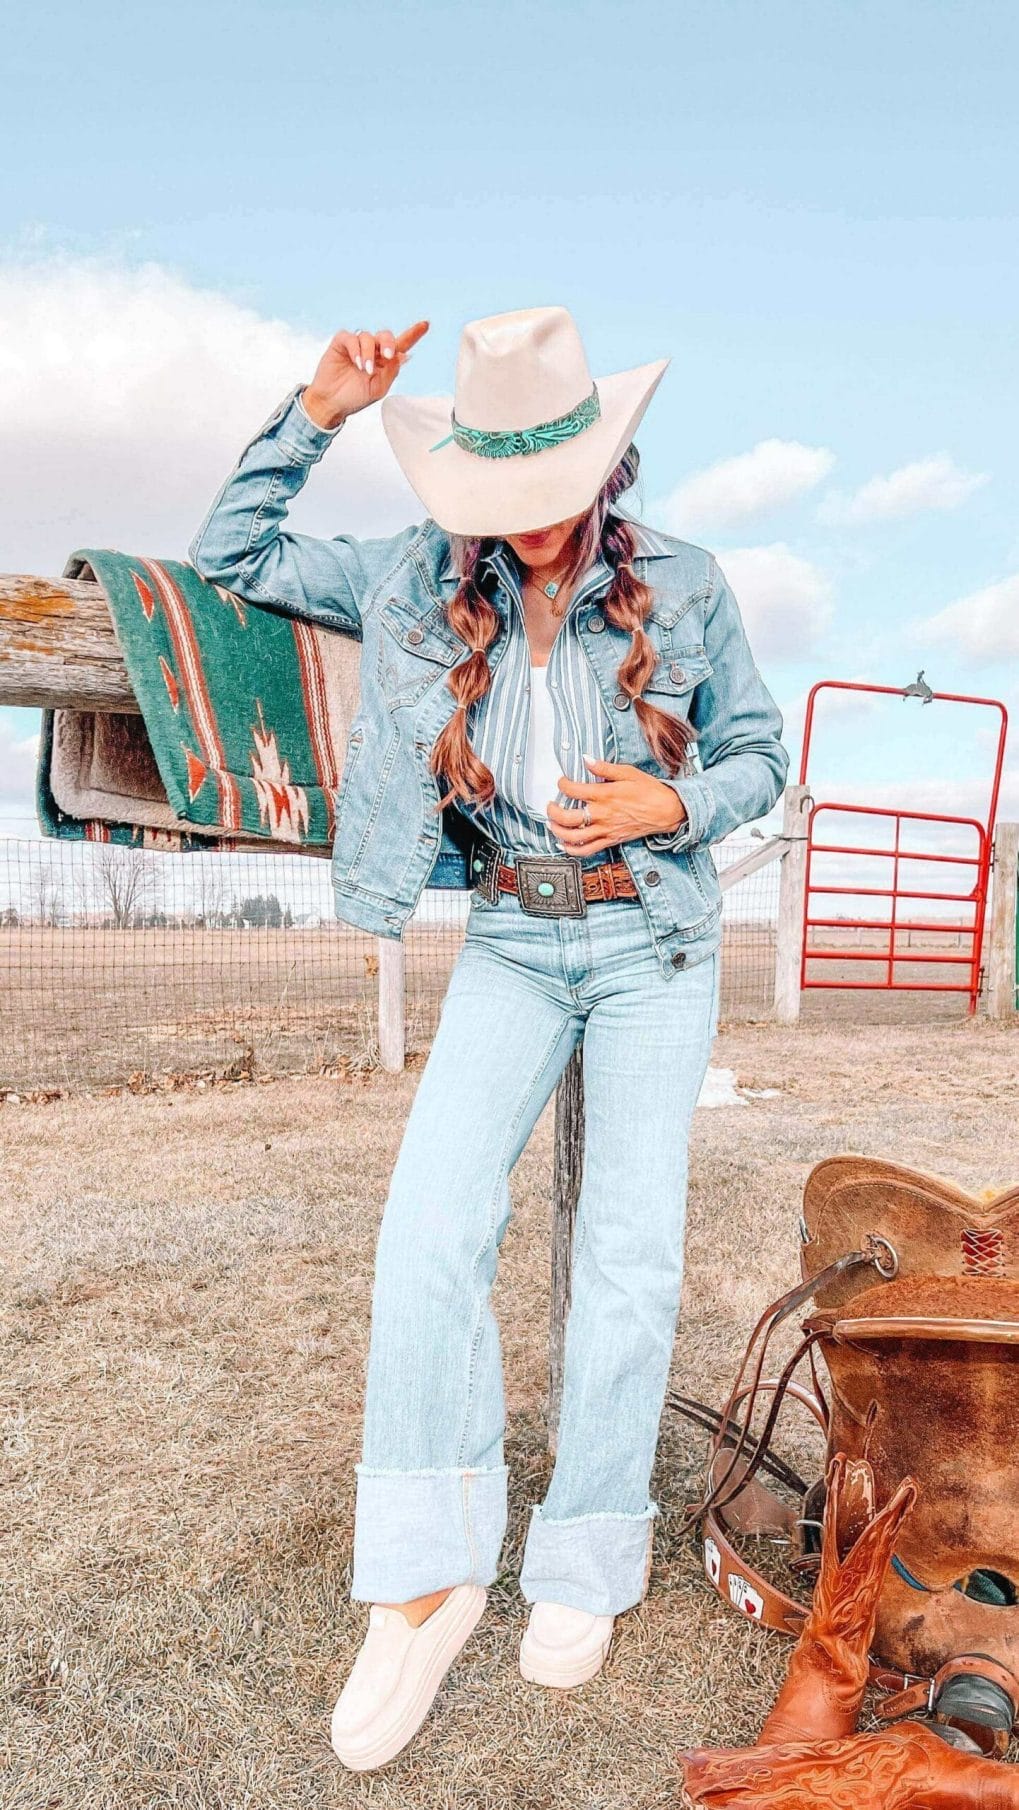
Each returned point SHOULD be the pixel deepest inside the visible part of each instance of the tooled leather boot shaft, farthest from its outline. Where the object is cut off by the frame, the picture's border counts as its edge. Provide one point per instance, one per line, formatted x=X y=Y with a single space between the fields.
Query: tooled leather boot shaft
x=898 y=1769
x=827 y=1675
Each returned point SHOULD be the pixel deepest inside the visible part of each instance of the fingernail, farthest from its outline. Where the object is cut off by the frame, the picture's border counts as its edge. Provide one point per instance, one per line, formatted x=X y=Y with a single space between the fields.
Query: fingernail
x=369 y=366
x=387 y=351
x=358 y=363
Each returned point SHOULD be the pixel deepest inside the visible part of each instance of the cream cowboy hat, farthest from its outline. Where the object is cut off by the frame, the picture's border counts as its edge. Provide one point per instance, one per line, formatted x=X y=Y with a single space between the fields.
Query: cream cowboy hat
x=533 y=436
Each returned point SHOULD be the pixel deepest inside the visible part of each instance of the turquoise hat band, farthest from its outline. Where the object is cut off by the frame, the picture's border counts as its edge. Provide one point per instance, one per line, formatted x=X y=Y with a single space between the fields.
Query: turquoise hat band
x=509 y=443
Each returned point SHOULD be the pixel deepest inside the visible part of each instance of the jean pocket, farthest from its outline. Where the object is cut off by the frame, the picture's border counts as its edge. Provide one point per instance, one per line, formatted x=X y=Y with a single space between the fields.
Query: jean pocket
x=480 y=909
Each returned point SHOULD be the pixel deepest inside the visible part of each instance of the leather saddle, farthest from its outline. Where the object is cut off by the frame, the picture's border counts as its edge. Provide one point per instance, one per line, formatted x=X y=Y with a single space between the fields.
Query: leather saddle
x=915 y=1291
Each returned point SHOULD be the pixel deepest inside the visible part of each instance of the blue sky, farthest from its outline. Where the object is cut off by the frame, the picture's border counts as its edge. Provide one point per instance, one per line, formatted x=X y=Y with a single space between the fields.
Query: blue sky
x=809 y=208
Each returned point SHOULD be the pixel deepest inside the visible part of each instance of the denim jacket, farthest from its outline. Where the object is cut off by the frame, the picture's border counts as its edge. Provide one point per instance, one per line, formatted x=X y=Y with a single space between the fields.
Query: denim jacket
x=390 y=593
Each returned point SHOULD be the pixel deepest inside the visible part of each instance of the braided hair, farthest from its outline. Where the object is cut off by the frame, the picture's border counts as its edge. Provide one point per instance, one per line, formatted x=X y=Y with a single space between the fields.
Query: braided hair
x=473 y=617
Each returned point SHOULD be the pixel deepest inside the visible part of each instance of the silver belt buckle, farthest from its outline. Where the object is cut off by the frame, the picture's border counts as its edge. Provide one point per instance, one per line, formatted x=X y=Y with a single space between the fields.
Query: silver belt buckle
x=484 y=860
x=549 y=886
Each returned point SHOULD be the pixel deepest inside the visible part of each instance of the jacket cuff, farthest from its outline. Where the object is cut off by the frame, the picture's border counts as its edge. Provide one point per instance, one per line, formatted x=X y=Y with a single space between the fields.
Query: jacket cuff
x=692 y=829
x=297 y=433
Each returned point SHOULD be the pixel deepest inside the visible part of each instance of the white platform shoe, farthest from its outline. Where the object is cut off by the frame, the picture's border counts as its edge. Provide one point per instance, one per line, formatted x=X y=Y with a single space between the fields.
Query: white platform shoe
x=564 y=1647
x=396 y=1676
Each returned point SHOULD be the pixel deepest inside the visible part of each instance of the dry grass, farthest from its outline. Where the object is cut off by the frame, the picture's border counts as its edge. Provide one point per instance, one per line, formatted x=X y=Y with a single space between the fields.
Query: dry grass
x=186 y=1292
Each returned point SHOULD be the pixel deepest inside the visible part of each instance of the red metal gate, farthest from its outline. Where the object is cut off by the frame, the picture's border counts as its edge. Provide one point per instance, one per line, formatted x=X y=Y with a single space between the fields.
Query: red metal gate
x=973 y=900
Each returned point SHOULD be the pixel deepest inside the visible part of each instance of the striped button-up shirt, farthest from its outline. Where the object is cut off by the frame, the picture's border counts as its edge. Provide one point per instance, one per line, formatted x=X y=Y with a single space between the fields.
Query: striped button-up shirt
x=497 y=724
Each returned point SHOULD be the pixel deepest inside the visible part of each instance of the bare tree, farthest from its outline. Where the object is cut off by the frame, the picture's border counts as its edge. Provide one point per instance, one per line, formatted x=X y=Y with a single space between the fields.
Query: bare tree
x=123 y=880
x=45 y=892
x=206 y=886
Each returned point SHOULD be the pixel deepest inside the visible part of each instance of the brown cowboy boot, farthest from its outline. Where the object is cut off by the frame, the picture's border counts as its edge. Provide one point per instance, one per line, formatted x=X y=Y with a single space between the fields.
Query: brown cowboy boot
x=903 y=1768
x=823 y=1690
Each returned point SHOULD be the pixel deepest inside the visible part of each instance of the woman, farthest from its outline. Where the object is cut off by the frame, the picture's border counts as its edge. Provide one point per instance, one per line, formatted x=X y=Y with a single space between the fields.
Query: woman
x=537 y=673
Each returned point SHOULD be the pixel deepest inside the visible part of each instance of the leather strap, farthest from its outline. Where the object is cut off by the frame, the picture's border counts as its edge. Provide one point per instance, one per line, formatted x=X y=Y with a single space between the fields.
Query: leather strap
x=981 y=1723
x=925 y=1692
x=747 y=1589
x=609 y=880
x=722 y=1489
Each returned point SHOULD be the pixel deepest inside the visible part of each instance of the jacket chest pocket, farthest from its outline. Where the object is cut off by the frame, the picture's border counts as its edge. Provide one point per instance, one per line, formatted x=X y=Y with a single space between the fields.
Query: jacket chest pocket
x=676 y=678
x=416 y=648
x=671 y=689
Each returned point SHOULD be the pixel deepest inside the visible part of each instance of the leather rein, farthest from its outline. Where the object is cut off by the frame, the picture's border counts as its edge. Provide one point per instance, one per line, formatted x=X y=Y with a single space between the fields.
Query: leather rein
x=736 y=1456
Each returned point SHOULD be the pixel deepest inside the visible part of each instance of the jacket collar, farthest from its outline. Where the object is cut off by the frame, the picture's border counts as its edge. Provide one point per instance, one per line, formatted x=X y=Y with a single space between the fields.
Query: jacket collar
x=650 y=545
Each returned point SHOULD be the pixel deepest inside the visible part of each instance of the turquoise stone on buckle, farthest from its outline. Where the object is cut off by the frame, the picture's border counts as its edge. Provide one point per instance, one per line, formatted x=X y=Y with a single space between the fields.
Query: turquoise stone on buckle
x=507 y=443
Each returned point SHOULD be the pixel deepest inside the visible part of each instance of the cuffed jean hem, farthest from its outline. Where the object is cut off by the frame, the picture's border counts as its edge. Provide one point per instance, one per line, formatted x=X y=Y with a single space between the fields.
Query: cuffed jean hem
x=598 y=1562
x=419 y=1531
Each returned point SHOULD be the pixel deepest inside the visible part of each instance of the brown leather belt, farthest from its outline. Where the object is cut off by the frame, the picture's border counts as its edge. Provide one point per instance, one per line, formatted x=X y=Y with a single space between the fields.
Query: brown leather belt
x=548 y=886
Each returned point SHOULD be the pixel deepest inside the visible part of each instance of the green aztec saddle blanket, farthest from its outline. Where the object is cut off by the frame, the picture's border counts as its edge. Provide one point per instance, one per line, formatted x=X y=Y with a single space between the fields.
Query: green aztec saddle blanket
x=243 y=725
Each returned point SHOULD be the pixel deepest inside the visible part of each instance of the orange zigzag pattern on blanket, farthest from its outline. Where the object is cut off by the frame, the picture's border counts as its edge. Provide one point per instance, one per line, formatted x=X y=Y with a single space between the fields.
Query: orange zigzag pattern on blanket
x=316 y=709
x=145 y=596
x=196 y=691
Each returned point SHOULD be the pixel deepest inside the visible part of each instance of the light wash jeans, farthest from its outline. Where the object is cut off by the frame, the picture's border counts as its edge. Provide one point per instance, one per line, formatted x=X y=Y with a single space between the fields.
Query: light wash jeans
x=431 y=1485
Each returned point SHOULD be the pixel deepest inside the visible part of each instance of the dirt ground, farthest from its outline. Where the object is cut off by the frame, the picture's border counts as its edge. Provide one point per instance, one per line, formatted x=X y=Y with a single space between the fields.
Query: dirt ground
x=185 y=1300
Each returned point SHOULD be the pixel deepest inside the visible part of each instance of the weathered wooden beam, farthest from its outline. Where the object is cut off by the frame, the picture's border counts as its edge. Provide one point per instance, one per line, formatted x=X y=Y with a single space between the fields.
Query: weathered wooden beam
x=792 y=892
x=1002 y=950
x=58 y=646
x=771 y=850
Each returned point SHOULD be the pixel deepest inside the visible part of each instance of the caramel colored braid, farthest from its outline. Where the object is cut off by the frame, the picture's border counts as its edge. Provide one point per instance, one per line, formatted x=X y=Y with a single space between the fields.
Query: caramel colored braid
x=472 y=616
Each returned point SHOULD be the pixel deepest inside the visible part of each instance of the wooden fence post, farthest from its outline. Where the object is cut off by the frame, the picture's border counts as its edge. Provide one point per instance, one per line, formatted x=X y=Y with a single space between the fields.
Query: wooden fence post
x=392 y=1002
x=791 y=893
x=1001 y=954
x=566 y=1177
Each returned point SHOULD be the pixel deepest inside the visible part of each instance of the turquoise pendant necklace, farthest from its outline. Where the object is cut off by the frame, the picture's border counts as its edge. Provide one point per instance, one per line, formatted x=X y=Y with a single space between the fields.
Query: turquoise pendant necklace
x=551 y=591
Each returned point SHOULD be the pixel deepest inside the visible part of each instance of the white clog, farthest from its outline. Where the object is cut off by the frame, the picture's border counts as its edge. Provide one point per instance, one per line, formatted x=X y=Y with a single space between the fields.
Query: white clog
x=563 y=1647
x=396 y=1675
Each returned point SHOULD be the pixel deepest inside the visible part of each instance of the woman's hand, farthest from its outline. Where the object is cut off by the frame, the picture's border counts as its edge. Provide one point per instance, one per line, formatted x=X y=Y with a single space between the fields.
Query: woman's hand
x=357 y=369
x=624 y=802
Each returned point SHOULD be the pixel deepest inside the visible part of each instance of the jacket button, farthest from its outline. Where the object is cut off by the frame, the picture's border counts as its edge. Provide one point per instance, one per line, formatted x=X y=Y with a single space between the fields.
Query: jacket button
x=652 y=877
x=596 y=624
x=677 y=674
x=621 y=700
x=678 y=959
x=415 y=636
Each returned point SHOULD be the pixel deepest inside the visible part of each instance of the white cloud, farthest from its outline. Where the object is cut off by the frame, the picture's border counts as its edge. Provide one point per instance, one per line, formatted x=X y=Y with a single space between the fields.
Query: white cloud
x=772 y=473
x=18 y=753
x=831 y=704
x=933 y=483
x=982 y=626
x=784 y=599
x=126 y=397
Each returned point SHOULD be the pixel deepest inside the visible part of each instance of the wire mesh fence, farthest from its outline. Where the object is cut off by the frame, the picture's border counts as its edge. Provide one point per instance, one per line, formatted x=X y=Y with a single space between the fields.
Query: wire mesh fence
x=117 y=963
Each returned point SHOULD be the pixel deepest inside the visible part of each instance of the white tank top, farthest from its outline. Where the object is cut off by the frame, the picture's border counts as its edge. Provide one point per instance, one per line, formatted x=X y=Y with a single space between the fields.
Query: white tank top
x=541 y=762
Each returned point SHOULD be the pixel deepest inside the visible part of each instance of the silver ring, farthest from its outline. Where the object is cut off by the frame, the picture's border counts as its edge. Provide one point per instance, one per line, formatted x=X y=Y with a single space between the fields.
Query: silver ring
x=587 y=816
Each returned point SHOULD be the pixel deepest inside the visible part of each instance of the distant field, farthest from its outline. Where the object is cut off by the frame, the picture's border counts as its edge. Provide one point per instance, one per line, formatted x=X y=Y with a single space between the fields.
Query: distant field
x=96 y=1005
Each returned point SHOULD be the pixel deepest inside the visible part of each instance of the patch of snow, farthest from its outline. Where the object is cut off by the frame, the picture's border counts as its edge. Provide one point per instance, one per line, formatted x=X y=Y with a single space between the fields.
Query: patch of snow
x=720 y=1089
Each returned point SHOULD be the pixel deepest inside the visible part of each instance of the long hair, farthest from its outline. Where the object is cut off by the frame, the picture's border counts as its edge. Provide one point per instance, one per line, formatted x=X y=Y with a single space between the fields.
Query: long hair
x=473 y=616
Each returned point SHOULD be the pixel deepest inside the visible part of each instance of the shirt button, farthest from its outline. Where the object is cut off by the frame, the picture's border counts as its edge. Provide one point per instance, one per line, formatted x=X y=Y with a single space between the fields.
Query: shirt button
x=415 y=636
x=678 y=959
x=596 y=624
x=677 y=674
x=621 y=700
x=652 y=877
